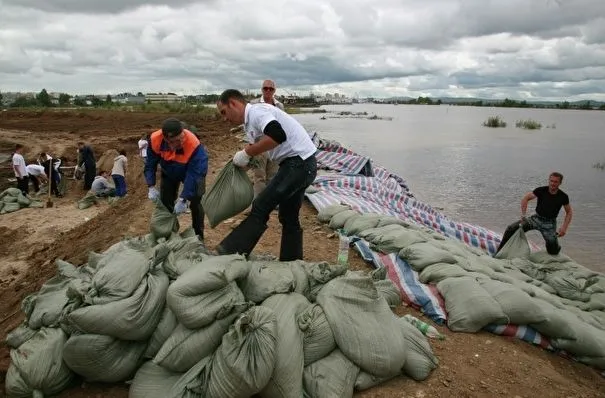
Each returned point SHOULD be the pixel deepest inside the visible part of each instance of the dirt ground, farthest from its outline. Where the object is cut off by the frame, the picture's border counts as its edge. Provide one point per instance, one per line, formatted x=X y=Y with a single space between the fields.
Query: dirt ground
x=471 y=365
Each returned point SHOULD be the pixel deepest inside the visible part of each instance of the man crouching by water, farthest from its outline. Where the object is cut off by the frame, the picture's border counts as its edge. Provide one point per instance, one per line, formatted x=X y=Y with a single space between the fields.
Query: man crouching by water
x=550 y=200
x=286 y=143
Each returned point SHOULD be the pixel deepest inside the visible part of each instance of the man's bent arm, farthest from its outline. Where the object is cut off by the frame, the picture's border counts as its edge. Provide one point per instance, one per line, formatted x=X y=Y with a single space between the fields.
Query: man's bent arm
x=151 y=166
x=528 y=196
x=568 y=216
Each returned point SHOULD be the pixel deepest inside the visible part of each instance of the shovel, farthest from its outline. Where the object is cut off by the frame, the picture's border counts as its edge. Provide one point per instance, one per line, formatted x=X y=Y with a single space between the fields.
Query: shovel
x=49 y=202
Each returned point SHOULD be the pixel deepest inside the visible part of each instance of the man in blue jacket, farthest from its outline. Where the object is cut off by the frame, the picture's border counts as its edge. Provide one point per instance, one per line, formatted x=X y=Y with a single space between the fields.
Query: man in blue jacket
x=182 y=159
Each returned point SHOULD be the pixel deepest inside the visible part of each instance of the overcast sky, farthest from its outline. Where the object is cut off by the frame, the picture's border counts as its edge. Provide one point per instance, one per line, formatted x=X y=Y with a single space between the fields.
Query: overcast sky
x=525 y=49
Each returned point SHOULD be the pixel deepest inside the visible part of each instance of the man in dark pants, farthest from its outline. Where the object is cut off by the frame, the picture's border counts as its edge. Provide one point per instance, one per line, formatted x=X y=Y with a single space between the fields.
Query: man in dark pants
x=286 y=143
x=87 y=160
x=550 y=200
x=182 y=159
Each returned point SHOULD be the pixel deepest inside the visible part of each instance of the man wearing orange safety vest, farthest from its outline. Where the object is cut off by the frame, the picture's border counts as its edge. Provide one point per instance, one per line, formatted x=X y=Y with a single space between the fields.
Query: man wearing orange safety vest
x=182 y=159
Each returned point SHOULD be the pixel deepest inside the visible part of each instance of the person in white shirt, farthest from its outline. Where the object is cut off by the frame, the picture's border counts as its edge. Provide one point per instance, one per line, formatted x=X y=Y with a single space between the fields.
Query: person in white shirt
x=20 y=170
x=45 y=160
x=100 y=186
x=143 y=145
x=286 y=143
x=36 y=174
x=118 y=173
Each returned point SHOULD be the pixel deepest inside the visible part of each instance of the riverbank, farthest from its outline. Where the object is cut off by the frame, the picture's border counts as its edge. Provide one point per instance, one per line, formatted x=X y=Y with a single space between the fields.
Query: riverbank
x=471 y=365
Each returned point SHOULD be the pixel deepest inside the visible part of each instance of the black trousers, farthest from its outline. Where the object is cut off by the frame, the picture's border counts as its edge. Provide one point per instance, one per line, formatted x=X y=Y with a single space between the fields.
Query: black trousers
x=23 y=184
x=35 y=181
x=286 y=189
x=89 y=175
x=169 y=190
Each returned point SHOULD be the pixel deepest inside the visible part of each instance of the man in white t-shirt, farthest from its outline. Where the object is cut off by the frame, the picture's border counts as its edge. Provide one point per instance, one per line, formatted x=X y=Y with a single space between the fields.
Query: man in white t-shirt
x=20 y=170
x=36 y=174
x=143 y=145
x=286 y=143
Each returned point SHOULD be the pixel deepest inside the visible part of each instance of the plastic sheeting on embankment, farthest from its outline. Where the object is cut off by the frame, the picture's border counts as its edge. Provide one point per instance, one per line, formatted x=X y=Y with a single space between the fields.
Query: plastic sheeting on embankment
x=161 y=312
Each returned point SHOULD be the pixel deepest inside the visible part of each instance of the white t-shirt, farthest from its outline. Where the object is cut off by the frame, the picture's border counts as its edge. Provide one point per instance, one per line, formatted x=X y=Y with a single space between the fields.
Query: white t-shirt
x=19 y=162
x=119 y=165
x=261 y=100
x=143 y=144
x=35 y=170
x=298 y=142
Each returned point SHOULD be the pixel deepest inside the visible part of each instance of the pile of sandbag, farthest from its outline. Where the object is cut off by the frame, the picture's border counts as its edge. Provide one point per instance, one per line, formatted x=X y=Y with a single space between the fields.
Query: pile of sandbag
x=162 y=312
x=12 y=199
x=552 y=294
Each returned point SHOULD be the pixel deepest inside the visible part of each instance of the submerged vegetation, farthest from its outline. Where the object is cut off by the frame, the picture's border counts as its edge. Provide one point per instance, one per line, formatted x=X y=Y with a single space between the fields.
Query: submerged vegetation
x=528 y=124
x=494 y=121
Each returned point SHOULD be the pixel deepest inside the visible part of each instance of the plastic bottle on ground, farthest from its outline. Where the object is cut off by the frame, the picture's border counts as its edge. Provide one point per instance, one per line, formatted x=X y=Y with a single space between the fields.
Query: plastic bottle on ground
x=424 y=327
x=343 y=249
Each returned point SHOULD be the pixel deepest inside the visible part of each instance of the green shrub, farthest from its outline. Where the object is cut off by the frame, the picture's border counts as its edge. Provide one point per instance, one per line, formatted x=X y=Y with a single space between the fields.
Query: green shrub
x=528 y=124
x=494 y=121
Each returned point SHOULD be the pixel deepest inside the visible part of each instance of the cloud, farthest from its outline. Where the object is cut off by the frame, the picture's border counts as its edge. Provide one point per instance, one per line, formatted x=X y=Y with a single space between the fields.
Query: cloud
x=545 y=49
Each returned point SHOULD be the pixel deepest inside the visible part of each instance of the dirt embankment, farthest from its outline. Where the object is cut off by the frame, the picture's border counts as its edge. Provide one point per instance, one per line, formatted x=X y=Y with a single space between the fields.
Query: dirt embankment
x=471 y=365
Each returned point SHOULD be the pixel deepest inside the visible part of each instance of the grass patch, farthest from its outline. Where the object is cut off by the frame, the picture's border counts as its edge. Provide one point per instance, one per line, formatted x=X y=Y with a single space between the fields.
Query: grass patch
x=599 y=165
x=528 y=124
x=494 y=121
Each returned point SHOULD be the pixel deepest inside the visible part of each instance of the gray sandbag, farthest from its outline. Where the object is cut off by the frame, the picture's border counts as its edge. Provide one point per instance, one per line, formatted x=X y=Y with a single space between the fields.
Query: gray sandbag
x=355 y=225
x=457 y=248
x=325 y=214
x=193 y=383
x=469 y=307
x=208 y=291
x=568 y=287
x=163 y=222
x=331 y=377
x=103 y=358
x=372 y=341
x=517 y=305
x=90 y=199
x=542 y=257
x=516 y=247
x=246 y=358
x=162 y=332
x=176 y=266
x=9 y=207
x=23 y=201
x=37 y=368
x=435 y=273
x=185 y=347
x=419 y=359
x=392 y=220
x=132 y=318
x=318 y=274
x=286 y=380
x=558 y=323
x=423 y=254
x=19 y=335
x=338 y=220
x=119 y=273
x=373 y=234
x=597 y=302
x=318 y=339
x=366 y=380
x=385 y=287
x=266 y=278
x=299 y=275
x=152 y=381
x=393 y=242
x=231 y=193
x=588 y=346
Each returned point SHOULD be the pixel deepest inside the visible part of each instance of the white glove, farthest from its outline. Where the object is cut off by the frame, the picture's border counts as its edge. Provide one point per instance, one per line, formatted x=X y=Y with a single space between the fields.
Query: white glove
x=241 y=158
x=180 y=206
x=82 y=168
x=153 y=193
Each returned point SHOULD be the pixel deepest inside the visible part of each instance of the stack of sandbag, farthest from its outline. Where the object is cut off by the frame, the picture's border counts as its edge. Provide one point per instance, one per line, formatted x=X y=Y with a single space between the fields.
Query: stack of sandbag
x=12 y=199
x=163 y=313
x=551 y=294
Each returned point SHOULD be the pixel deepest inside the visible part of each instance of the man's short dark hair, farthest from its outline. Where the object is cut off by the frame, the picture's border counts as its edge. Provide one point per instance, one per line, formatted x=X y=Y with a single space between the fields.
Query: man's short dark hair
x=230 y=94
x=18 y=146
x=557 y=174
x=172 y=127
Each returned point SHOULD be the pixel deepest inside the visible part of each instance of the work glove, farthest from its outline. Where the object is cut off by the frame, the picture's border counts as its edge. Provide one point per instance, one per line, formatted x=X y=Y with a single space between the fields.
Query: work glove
x=241 y=158
x=180 y=207
x=82 y=168
x=153 y=193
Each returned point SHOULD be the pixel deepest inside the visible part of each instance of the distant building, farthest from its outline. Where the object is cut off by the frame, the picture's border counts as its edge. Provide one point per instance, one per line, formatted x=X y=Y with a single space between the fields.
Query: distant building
x=163 y=98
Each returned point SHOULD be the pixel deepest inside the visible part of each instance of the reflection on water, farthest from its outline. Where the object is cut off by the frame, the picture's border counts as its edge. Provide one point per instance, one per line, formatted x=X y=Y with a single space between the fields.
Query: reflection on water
x=478 y=174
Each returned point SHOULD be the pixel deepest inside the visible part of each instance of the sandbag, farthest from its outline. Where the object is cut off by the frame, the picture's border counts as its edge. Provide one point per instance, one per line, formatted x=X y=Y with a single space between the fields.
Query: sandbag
x=318 y=339
x=318 y=274
x=435 y=273
x=543 y=257
x=90 y=199
x=558 y=323
x=394 y=241
x=185 y=347
x=516 y=247
x=372 y=341
x=299 y=275
x=373 y=234
x=385 y=287
x=19 y=335
x=392 y=220
x=231 y=193
x=103 y=358
x=419 y=359
x=132 y=318
x=339 y=219
x=10 y=207
x=266 y=278
x=163 y=223
x=422 y=254
x=588 y=346
x=246 y=358
x=286 y=380
x=37 y=368
x=354 y=225
x=162 y=332
x=367 y=380
x=469 y=306
x=325 y=214
x=119 y=273
x=152 y=381
x=517 y=305
x=568 y=287
x=331 y=377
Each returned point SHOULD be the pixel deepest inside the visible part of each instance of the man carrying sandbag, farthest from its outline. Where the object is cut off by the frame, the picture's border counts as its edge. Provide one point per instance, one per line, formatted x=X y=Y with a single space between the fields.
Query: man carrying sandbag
x=182 y=158
x=550 y=200
x=286 y=143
